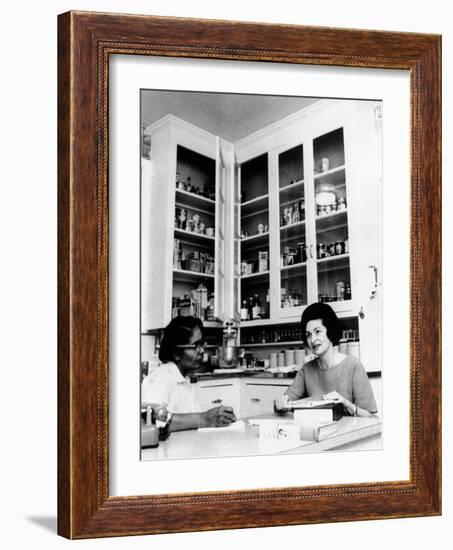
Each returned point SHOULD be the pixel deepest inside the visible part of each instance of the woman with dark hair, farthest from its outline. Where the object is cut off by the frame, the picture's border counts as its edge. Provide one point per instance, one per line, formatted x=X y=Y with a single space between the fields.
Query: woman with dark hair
x=331 y=375
x=181 y=352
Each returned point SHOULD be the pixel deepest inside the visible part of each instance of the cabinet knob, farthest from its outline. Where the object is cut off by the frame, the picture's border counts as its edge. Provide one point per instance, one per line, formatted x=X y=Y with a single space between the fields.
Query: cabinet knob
x=255 y=399
x=216 y=401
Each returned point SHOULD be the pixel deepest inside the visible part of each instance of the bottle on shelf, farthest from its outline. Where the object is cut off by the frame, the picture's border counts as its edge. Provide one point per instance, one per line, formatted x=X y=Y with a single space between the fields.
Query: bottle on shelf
x=179 y=183
x=347 y=292
x=210 y=308
x=250 y=307
x=244 y=311
x=256 y=307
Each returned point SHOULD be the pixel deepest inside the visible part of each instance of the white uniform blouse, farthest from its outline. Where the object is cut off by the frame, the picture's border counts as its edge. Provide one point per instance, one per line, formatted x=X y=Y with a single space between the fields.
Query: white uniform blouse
x=167 y=386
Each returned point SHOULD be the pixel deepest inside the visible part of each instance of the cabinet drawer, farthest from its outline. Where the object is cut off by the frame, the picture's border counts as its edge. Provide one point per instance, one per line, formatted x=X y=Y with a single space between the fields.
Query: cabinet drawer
x=220 y=394
x=259 y=398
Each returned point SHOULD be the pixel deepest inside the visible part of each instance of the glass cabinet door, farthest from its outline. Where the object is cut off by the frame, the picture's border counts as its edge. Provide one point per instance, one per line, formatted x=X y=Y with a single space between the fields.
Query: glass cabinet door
x=331 y=218
x=254 y=185
x=292 y=231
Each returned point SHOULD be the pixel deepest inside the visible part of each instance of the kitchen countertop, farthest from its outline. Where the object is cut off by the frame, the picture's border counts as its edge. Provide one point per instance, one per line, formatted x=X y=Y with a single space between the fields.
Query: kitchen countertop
x=253 y=374
x=244 y=374
x=353 y=434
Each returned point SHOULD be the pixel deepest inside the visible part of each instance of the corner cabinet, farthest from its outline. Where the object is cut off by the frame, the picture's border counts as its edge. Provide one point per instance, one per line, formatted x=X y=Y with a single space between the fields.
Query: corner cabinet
x=316 y=217
x=294 y=212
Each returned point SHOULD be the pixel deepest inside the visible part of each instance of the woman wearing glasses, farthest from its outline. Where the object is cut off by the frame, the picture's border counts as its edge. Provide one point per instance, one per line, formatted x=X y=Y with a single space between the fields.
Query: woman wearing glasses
x=181 y=352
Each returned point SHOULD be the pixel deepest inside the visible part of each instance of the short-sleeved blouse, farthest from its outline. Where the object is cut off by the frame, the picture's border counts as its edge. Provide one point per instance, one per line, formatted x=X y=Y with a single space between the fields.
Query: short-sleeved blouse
x=348 y=378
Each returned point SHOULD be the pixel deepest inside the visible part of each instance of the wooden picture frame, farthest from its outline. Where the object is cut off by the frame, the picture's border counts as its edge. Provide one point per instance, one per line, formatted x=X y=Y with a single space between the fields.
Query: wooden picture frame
x=85 y=41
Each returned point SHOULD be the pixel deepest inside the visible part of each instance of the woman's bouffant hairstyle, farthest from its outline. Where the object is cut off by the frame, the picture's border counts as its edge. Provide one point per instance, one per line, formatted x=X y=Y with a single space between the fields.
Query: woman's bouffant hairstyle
x=177 y=333
x=320 y=310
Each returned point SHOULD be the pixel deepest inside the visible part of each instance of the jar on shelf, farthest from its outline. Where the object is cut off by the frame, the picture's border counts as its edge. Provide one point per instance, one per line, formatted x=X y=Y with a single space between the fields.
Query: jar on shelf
x=341 y=203
x=321 y=251
x=301 y=207
x=289 y=216
x=330 y=249
x=183 y=219
x=339 y=248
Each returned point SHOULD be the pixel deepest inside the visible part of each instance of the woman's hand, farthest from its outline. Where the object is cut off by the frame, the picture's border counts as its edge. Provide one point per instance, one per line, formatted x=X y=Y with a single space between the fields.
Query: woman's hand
x=281 y=404
x=218 y=416
x=335 y=396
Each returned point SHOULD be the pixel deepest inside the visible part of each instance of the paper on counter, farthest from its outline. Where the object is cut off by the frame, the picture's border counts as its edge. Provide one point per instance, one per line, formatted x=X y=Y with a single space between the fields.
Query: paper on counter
x=238 y=426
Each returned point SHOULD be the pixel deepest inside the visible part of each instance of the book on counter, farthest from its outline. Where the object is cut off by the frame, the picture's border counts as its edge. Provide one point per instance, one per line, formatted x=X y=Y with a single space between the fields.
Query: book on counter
x=279 y=429
x=314 y=411
x=318 y=432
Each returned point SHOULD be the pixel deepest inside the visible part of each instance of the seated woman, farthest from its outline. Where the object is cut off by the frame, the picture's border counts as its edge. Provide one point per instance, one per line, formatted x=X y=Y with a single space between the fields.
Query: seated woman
x=181 y=352
x=331 y=375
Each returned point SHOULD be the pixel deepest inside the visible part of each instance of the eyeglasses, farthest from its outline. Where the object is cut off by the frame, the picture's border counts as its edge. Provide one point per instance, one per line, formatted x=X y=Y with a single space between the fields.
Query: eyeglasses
x=196 y=345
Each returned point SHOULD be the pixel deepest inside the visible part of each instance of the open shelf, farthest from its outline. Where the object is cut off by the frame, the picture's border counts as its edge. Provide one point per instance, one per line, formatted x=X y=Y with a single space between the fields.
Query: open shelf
x=293 y=267
x=331 y=221
x=257 y=239
x=293 y=231
x=255 y=206
x=189 y=237
x=255 y=276
x=333 y=263
x=292 y=192
x=184 y=276
x=196 y=202
x=272 y=344
x=335 y=176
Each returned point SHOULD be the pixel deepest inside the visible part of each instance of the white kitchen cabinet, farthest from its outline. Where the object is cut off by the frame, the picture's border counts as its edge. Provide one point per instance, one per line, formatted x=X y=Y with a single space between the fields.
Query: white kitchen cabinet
x=258 y=396
x=251 y=397
x=179 y=152
x=332 y=146
x=248 y=396
x=213 y=393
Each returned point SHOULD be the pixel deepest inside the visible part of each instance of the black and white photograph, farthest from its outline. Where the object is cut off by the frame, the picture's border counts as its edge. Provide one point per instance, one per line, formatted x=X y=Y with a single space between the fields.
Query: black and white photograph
x=261 y=274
